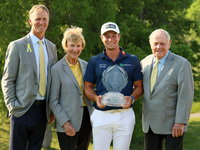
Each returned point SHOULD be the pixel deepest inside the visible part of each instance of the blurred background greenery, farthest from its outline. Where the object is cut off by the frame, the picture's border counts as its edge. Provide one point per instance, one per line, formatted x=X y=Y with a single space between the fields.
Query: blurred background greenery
x=136 y=20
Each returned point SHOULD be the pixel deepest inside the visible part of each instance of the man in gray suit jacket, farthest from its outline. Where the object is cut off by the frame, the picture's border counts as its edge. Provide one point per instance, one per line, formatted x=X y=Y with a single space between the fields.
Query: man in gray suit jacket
x=27 y=107
x=167 y=106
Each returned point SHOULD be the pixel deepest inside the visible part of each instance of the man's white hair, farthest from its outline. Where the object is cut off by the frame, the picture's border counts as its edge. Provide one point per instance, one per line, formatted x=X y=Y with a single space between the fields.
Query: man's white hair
x=162 y=30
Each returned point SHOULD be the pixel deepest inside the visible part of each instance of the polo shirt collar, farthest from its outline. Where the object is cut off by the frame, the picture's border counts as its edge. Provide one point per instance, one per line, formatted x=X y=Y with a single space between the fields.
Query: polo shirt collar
x=121 y=55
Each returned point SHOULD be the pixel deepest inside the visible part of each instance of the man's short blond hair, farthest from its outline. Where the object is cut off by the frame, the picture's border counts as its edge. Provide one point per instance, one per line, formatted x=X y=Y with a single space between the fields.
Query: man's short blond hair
x=73 y=34
x=39 y=7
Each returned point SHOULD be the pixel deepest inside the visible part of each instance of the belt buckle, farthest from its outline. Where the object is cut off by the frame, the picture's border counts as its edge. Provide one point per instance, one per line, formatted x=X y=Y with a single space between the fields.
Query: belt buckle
x=115 y=110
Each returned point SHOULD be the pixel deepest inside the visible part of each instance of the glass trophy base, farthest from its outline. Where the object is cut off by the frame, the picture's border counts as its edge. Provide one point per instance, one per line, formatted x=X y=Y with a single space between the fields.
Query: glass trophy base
x=114 y=99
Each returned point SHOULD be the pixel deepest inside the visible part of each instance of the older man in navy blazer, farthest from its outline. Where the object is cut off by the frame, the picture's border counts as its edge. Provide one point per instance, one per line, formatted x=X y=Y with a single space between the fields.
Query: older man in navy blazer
x=27 y=106
x=167 y=106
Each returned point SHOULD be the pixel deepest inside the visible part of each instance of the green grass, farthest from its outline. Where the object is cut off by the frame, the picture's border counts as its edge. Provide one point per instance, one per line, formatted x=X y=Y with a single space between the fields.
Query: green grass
x=191 y=139
x=5 y=129
x=55 y=145
x=195 y=107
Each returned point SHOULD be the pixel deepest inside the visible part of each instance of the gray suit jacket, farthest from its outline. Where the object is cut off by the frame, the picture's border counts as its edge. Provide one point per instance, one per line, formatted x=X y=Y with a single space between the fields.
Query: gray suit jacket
x=66 y=100
x=171 y=99
x=19 y=82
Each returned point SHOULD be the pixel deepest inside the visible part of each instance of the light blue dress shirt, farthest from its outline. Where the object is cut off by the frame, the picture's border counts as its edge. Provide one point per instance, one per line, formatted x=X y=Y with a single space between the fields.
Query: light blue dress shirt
x=161 y=64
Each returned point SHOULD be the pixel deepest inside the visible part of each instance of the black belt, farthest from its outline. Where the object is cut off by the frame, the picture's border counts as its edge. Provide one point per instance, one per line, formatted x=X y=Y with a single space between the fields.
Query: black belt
x=39 y=102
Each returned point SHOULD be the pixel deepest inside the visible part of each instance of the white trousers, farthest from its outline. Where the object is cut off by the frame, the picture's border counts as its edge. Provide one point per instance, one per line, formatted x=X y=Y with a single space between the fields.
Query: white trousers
x=116 y=125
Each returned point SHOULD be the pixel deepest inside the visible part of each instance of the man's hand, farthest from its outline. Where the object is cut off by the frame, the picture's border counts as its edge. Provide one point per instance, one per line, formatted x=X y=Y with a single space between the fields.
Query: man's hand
x=52 y=118
x=69 y=129
x=177 y=130
x=128 y=102
x=98 y=101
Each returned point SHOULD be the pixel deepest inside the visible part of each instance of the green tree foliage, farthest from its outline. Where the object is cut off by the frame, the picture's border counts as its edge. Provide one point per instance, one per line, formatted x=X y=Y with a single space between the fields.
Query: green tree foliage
x=136 y=20
x=170 y=16
x=193 y=13
x=12 y=24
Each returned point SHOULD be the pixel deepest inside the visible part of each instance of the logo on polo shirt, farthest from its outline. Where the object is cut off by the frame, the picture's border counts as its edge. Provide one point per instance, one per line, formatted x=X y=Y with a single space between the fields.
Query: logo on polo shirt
x=125 y=65
x=102 y=65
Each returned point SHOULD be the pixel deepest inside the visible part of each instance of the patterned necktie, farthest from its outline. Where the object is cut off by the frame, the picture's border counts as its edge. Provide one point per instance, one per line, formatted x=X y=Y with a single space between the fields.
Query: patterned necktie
x=154 y=74
x=42 y=82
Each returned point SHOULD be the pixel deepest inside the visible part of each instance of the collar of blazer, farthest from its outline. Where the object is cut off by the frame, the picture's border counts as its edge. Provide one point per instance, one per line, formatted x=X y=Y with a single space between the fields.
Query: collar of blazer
x=69 y=72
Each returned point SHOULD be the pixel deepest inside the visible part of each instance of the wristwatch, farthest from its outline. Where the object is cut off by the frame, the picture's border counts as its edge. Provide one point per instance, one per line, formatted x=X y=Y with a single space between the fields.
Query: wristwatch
x=132 y=99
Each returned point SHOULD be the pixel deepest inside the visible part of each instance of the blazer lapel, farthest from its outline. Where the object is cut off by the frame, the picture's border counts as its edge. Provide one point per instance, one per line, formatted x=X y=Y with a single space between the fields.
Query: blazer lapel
x=149 y=68
x=69 y=72
x=49 y=55
x=82 y=69
x=30 y=53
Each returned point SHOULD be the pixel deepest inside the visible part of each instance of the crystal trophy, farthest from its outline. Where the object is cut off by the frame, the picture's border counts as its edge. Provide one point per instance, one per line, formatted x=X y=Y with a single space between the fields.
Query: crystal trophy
x=114 y=79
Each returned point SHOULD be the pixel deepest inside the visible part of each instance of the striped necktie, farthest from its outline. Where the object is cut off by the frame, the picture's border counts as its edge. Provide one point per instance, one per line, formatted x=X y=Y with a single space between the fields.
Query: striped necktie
x=154 y=75
x=42 y=81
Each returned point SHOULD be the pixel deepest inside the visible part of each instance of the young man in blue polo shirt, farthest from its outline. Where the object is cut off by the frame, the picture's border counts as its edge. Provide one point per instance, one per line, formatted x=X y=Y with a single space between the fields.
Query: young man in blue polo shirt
x=111 y=122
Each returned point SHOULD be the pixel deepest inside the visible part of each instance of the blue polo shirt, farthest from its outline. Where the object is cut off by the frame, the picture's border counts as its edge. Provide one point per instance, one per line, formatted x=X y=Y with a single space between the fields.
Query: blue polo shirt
x=97 y=64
